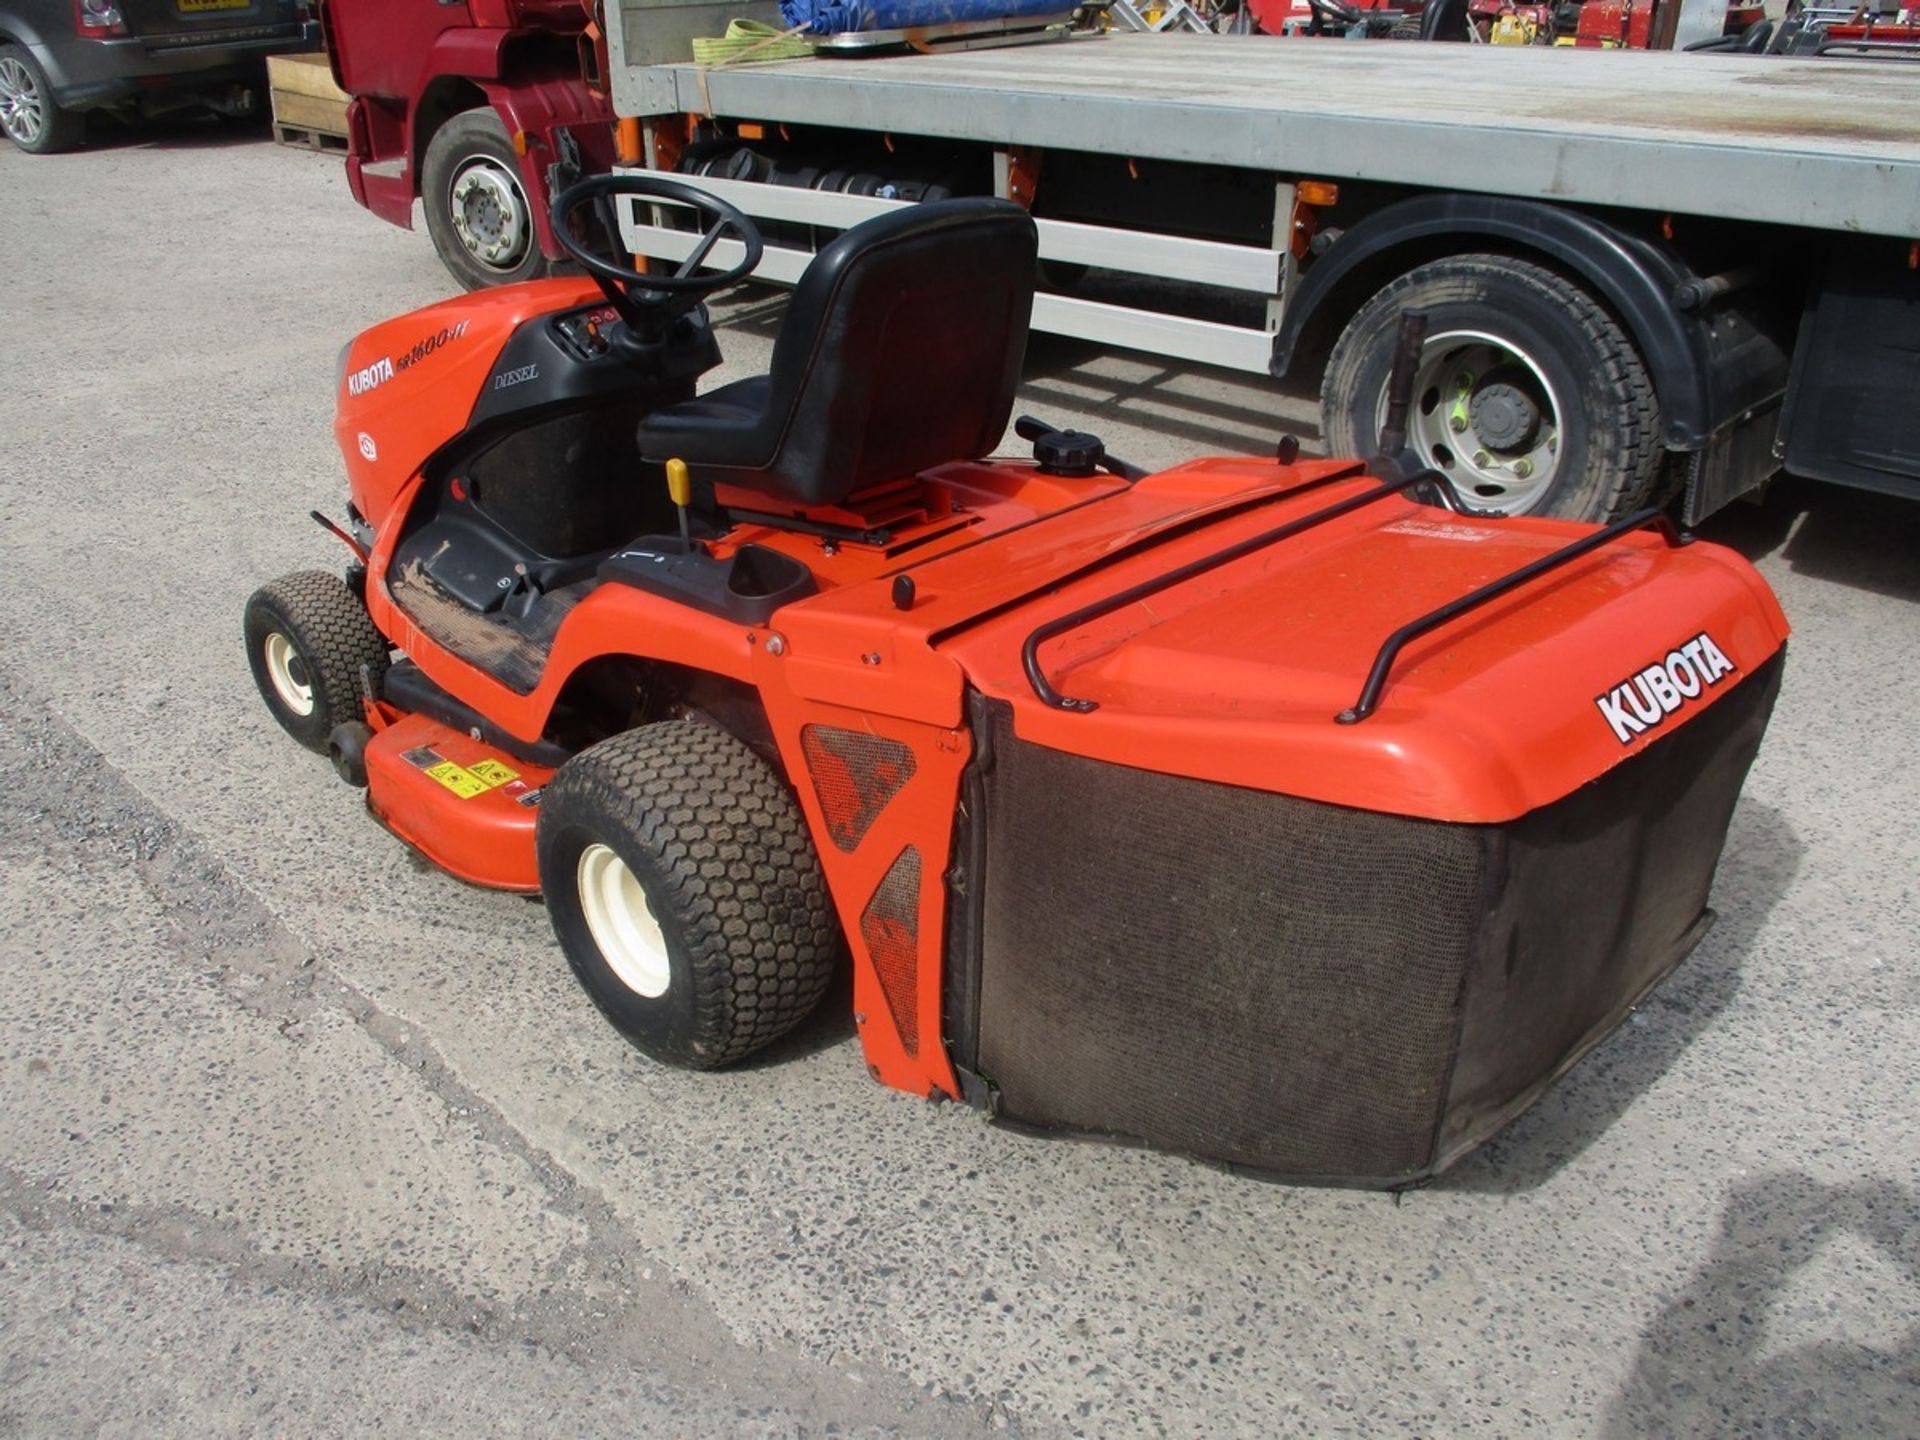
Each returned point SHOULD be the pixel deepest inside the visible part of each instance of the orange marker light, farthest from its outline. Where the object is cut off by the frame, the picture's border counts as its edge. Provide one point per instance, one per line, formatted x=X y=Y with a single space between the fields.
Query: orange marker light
x=1317 y=192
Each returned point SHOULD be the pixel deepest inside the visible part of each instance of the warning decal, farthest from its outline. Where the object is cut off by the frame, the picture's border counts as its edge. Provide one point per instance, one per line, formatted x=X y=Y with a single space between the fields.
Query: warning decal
x=459 y=779
x=466 y=781
x=492 y=772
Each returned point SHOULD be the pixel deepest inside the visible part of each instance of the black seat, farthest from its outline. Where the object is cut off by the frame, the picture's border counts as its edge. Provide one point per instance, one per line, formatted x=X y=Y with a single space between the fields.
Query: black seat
x=901 y=349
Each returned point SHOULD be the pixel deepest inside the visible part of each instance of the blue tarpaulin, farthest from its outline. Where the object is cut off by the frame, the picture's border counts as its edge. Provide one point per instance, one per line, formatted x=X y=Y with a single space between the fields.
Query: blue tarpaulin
x=838 y=17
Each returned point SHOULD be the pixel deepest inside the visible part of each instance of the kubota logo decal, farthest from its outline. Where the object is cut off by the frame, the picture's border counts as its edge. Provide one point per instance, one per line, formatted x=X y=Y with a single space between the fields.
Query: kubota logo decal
x=1646 y=698
x=371 y=377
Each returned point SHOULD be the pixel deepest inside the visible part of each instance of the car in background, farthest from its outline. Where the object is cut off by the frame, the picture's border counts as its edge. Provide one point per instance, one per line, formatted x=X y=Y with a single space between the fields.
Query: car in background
x=60 y=59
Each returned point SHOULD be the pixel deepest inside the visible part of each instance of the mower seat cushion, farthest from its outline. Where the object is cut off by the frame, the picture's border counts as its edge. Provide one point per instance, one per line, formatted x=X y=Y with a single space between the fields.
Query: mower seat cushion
x=901 y=350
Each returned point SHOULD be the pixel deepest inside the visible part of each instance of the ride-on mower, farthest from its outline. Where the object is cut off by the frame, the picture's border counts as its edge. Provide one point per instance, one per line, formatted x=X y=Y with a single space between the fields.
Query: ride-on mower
x=1286 y=813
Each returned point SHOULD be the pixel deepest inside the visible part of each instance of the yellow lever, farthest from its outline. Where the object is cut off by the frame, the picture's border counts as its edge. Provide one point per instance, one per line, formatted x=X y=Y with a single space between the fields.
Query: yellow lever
x=680 y=487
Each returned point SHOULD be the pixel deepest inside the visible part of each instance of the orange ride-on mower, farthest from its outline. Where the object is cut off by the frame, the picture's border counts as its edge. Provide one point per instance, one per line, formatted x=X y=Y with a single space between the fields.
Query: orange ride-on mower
x=1285 y=813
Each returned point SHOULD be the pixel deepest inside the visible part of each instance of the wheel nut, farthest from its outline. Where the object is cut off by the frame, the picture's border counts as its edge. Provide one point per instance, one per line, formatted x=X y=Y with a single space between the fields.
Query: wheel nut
x=1482 y=459
x=1523 y=468
x=1457 y=424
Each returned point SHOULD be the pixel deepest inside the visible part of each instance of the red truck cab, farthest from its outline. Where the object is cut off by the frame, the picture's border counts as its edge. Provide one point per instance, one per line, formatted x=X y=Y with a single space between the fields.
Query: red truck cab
x=477 y=107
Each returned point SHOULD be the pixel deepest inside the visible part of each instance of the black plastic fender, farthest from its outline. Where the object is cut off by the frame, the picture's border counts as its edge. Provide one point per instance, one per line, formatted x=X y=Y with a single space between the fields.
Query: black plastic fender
x=1708 y=370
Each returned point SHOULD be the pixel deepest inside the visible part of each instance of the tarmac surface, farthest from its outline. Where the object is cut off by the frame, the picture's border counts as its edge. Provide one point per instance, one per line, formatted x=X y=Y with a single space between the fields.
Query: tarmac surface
x=301 y=1136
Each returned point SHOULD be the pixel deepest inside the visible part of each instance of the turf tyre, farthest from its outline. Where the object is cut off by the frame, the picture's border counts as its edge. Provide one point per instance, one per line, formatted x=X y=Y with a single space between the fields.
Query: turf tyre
x=1610 y=458
x=720 y=851
x=308 y=630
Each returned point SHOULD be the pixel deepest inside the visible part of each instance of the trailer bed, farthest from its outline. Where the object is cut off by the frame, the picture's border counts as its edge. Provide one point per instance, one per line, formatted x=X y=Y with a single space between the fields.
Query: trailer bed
x=1830 y=144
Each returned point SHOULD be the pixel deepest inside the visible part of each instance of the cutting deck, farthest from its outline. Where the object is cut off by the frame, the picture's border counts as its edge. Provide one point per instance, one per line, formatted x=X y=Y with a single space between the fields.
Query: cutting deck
x=1824 y=143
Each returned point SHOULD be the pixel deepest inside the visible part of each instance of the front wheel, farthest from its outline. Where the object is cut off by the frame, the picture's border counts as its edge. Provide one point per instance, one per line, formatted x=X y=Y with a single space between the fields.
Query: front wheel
x=27 y=112
x=478 y=213
x=685 y=892
x=1528 y=396
x=314 y=653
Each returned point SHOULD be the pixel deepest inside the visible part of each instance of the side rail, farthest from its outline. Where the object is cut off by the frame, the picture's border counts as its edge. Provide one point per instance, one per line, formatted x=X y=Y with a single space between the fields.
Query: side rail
x=1243 y=268
x=1073 y=619
x=1389 y=652
x=1390 y=649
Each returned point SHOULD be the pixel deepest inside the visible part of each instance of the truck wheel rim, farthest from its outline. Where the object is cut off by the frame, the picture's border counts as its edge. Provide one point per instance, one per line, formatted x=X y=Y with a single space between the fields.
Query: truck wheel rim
x=20 y=104
x=1485 y=416
x=622 y=923
x=489 y=212
x=287 y=670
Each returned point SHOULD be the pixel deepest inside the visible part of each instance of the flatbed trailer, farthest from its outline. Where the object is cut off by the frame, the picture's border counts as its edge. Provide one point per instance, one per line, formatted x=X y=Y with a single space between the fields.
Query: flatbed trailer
x=1654 y=275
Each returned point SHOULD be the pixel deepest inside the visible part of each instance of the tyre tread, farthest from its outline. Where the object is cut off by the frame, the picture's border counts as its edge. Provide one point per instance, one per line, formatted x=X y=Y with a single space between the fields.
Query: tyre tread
x=730 y=842
x=335 y=636
x=1641 y=454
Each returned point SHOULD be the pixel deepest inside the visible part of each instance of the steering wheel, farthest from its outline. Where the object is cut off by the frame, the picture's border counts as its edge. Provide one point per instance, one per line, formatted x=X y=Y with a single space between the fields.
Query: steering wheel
x=649 y=303
x=1323 y=11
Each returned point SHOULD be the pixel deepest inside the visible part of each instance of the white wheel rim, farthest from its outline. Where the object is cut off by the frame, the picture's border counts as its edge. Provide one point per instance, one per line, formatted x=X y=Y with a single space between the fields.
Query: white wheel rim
x=1512 y=472
x=622 y=924
x=489 y=213
x=288 y=672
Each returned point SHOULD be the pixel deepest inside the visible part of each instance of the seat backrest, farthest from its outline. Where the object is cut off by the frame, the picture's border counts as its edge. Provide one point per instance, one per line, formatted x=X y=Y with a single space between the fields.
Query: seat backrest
x=901 y=348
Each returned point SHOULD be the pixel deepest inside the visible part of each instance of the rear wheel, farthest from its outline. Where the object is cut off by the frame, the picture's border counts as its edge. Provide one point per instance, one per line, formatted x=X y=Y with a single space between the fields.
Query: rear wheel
x=478 y=211
x=314 y=654
x=685 y=892
x=1528 y=396
x=27 y=112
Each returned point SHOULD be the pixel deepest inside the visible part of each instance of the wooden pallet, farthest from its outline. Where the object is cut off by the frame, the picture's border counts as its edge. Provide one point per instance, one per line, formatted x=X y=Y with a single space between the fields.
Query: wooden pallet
x=308 y=108
x=311 y=139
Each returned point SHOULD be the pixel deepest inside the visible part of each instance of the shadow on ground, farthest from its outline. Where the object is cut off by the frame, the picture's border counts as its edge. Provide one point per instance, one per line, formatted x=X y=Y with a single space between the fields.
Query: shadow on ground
x=1761 y=857
x=177 y=130
x=1721 y=1357
x=1829 y=532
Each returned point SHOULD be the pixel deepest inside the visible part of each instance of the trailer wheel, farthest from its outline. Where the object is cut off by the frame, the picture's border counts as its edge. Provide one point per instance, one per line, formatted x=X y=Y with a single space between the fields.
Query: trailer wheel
x=478 y=212
x=1529 y=396
x=685 y=892
x=27 y=112
x=313 y=652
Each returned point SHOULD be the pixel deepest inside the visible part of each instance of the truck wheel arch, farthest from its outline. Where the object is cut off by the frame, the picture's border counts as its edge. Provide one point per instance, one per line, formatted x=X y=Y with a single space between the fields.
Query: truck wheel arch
x=1630 y=276
x=443 y=97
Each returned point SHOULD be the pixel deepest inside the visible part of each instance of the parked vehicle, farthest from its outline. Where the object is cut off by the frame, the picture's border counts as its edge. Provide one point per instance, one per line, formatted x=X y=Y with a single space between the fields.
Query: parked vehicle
x=62 y=59
x=1655 y=280
x=479 y=109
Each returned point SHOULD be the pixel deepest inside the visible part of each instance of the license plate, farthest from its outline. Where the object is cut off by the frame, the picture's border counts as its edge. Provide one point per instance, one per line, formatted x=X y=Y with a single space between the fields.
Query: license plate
x=200 y=7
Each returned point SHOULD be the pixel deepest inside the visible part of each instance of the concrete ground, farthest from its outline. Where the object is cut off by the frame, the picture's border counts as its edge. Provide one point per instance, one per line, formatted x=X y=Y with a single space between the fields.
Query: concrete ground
x=301 y=1136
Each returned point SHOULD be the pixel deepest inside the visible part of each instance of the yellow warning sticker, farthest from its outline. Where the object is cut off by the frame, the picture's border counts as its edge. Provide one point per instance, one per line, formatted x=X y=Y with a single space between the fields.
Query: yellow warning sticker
x=458 y=779
x=492 y=772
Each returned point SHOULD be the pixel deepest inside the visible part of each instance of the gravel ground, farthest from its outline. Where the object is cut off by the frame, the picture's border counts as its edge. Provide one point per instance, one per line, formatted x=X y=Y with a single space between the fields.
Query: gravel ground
x=301 y=1136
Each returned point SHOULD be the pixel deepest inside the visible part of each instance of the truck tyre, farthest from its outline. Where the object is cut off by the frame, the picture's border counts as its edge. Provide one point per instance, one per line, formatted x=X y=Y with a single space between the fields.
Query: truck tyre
x=314 y=654
x=478 y=211
x=27 y=112
x=1529 y=397
x=685 y=892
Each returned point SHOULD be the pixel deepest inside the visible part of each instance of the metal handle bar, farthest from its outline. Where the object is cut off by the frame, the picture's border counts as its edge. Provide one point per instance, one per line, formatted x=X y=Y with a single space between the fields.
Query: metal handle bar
x=1390 y=651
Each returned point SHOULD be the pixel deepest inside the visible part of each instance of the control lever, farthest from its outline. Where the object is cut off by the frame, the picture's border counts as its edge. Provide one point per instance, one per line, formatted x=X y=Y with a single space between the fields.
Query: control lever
x=680 y=487
x=1072 y=452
